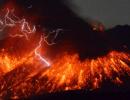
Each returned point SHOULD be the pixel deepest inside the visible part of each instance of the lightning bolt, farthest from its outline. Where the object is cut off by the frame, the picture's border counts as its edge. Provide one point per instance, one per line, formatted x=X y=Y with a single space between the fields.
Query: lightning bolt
x=52 y=42
x=25 y=30
x=11 y=21
x=38 y=54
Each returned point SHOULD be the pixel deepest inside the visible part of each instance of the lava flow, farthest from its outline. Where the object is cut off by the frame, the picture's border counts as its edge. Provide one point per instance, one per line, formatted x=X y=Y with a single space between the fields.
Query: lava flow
x=27 y=75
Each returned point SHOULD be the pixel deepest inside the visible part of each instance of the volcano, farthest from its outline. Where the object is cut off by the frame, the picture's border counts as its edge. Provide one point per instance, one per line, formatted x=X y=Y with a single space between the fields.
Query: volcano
x=58 y=55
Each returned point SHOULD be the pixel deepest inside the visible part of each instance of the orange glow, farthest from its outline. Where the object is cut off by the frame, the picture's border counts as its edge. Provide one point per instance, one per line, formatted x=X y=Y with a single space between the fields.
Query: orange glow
x=27 y=76
x=22 y=74
x=69 y=73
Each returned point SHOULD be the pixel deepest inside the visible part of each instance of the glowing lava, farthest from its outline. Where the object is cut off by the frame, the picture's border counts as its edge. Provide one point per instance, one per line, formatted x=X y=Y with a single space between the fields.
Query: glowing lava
x=66 y=73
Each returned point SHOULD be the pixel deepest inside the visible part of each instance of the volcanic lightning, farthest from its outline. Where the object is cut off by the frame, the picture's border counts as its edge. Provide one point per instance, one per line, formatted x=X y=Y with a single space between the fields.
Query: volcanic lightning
x=25 y=30
x=38 y=54
x=55 y=33
x=13 y=21
x=21 y=78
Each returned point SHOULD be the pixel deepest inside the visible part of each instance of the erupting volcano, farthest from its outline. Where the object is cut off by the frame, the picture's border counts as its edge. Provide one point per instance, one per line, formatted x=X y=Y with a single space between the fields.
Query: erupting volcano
x=26 y=68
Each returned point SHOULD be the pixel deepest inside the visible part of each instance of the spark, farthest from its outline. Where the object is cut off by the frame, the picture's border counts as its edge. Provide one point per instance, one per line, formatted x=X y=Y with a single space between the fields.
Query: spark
x=38 y=54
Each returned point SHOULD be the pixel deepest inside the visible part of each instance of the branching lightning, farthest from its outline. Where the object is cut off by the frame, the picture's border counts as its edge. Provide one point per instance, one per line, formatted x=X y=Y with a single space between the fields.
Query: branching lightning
x=38 y=54
x=20 y=77
x=11 y=22
x=55 y=33
x=25 y=29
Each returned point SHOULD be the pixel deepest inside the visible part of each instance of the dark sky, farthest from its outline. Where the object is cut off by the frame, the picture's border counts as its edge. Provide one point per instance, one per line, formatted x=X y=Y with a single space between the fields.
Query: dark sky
x=109 y=12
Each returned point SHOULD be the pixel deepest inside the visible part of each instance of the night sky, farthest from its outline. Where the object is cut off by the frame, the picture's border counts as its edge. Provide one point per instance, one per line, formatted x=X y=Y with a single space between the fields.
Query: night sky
x=55 y=14
x=109 y=12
